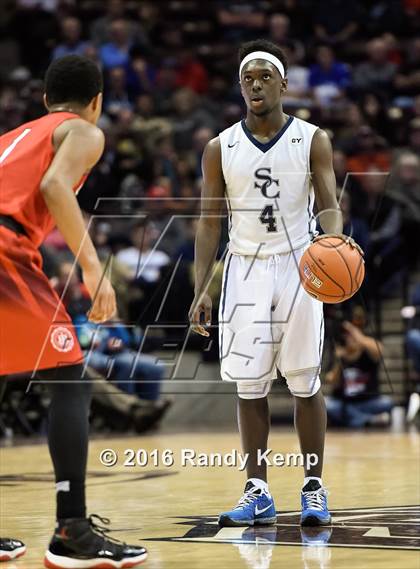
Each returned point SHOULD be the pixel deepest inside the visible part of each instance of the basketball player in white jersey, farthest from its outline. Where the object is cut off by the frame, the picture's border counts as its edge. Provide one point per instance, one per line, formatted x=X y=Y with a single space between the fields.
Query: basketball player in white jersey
x=270 y=168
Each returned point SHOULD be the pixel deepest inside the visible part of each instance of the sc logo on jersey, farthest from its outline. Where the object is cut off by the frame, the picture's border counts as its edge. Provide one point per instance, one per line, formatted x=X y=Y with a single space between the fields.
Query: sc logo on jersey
x=264 y=174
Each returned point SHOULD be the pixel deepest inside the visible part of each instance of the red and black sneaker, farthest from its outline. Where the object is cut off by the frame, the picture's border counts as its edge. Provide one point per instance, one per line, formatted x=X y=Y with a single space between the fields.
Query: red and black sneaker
x=11 y=548
x=79 y=543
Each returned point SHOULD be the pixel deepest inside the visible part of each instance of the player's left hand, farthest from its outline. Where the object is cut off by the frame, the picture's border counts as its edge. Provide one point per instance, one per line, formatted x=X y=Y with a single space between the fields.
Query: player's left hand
x=199 y=306
x=104 y=305
x=345 y=238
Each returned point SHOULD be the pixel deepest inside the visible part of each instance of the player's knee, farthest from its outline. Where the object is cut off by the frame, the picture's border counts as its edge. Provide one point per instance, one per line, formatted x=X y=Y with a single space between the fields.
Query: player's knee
x=304 y=383
x=253 y=389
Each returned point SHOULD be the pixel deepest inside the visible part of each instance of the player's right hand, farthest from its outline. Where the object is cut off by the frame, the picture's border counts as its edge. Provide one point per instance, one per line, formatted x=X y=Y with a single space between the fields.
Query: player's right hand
x=200 y=305
x=104 y=305
x=345 y=238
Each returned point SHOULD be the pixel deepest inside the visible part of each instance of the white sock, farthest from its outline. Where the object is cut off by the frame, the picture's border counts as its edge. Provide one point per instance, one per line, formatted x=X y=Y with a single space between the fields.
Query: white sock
x=307 y=478
x=260 y=484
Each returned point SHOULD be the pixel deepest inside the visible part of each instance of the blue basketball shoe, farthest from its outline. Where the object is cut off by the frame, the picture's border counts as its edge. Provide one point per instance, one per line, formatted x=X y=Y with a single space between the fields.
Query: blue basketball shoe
x=314 y=505
x=255 y=507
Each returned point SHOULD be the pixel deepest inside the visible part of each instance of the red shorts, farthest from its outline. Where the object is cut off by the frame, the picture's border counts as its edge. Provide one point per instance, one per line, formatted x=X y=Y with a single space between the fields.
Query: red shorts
x=35 y=330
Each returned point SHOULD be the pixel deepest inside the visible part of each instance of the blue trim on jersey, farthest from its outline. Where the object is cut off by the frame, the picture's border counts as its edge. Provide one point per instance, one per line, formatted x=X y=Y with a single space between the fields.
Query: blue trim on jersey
x=321 y=342
x=223 y=304
x=311 y=218
x=225 y=284
x=230 y=212
x=265 y=146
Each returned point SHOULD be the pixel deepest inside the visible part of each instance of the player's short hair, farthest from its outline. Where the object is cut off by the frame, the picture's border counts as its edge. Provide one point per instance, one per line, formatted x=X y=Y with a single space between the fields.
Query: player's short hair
x=263 y=45
x=72 y=78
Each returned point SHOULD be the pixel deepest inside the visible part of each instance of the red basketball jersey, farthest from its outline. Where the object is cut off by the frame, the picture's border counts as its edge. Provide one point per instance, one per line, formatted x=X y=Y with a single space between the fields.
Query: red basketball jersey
x=25 y=155
x=35 y=330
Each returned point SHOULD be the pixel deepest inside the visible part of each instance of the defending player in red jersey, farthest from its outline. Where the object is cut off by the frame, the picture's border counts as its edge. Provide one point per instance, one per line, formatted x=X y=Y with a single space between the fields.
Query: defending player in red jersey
x=42 y=165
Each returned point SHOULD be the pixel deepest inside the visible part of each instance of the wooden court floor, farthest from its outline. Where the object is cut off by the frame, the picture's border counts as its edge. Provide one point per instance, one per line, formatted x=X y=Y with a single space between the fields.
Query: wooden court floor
x=373 y=480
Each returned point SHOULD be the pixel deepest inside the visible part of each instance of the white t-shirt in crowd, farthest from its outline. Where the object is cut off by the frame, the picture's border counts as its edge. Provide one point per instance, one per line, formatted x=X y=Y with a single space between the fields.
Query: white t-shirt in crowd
x=144 y=264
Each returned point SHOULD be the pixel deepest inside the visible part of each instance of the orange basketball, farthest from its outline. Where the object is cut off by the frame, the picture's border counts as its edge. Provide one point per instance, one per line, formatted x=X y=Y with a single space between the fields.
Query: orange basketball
x=331 y=270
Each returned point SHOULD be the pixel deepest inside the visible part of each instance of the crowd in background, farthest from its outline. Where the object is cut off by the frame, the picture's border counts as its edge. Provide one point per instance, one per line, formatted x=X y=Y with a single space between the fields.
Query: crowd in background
x=170 y=72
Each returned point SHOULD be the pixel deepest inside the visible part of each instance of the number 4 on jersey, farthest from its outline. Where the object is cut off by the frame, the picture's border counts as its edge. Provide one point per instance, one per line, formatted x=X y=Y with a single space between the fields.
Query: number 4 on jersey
x=268 y=219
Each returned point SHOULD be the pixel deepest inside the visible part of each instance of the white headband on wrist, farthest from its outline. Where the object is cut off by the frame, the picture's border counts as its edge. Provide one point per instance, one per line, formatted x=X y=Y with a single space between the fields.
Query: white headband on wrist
x=262 y=55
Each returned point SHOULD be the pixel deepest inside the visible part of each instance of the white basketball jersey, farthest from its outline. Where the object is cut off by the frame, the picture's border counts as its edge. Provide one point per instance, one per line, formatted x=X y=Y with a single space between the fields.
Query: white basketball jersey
x=268 y=189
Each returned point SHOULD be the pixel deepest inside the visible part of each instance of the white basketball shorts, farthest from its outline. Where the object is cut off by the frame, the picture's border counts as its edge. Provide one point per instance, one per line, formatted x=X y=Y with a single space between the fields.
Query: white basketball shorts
x=266 y=319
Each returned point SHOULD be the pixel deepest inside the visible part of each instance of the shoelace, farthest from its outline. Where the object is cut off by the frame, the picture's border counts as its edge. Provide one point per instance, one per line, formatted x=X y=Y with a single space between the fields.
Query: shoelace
x=103 y=531
x=316 y=499
x=247 y=498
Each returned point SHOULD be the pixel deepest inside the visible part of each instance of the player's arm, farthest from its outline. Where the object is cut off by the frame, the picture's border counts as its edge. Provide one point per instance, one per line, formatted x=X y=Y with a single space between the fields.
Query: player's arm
x=208 y=233
x=323 y=179
x=79 y=150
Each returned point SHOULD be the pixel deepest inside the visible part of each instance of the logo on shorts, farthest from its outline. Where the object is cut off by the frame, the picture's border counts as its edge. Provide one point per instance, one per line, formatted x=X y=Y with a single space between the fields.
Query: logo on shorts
x=311 y=277
x=62 y=339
